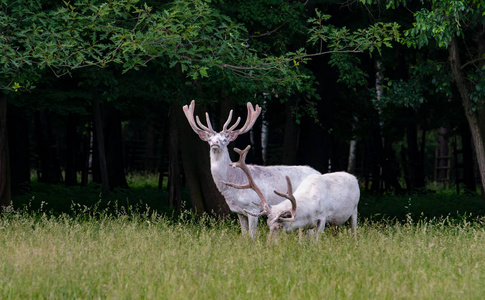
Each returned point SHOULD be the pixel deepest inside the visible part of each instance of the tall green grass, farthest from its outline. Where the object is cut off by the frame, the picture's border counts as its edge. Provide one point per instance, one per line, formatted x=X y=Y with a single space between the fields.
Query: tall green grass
x=74 y=243
x=151 y=256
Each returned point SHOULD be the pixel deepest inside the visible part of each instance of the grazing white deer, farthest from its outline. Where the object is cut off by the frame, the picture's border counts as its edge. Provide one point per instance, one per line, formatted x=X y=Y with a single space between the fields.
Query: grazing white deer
x=329 y=198
x=268 y=177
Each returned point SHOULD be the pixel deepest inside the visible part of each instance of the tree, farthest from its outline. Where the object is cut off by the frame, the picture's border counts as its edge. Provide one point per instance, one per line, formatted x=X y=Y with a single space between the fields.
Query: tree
x=37 y=35
x=456 y=26
x=191 y=35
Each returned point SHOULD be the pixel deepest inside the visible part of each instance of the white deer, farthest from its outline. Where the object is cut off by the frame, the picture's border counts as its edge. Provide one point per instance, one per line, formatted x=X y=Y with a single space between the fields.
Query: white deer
x=268 y=177
x=329 y=198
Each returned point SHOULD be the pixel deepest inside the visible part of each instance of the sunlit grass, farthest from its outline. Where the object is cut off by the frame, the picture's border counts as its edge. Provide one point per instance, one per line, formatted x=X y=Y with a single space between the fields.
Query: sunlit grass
x=148 y=256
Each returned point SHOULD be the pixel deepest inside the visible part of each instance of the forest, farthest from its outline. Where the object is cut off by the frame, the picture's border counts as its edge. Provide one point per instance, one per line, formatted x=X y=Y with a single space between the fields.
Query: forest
x=390 y=91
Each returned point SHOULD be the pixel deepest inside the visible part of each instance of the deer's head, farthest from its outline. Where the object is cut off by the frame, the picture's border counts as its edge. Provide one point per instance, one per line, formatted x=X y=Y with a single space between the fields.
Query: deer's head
x=276 y=215
x=220 y=140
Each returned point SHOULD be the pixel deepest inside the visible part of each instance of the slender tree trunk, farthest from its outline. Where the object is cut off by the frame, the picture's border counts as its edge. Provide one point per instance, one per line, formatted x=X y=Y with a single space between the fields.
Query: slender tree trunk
x=391 y=170
x=162 y=167
x=5 y=195
x=174 y=184
x=18 y=144
x=95 y=164
x=415 y=160
x=47 y=149
x=481 y=113
x=376 y=148
x=87 y=156
x=468 y=162
x=71 y=149
x=375 y=152
x=291 y=136
x=443 y=159
x=114 y=148
x=352 y=157
x=150 y=152
x=98 y=127
x=471 y=115
x=315 y=145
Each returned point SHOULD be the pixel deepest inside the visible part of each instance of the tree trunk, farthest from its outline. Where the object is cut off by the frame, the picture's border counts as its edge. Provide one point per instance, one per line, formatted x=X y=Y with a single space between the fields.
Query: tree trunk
x=163 y=158
x=468 y=162
x=5 y=196
x=114 y=147
x=95 y=164
x=98 y=127
x=291 y=136
x=47 y=149
x=390 y=169
x=351 y=165
x=150 y=150
x=375 y=157
x=87 y=156
x=443 y=159
x=415 y=160
x=174 y=184
x=71 y=150
x=315 y=145
x=471 y=115
x=481 y=113
x=18 y=144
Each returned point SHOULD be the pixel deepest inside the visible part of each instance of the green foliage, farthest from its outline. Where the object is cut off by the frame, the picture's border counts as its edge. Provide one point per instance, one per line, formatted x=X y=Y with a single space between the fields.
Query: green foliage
x=62 y=38
x=477 y=95
x=427 y=79
x=193 y=35
x=371 y=38
x=442 y=22
x=436 y=24
x=349 y=71
x=343 y=43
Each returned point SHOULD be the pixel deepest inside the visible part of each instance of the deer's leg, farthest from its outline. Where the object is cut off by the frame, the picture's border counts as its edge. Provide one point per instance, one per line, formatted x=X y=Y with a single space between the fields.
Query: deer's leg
x=319 y=229
x=243 y=220
x=253 y=224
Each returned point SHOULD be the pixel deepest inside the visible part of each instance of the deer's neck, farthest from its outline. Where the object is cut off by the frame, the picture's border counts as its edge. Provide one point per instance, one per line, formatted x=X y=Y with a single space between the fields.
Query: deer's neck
x=220 y=168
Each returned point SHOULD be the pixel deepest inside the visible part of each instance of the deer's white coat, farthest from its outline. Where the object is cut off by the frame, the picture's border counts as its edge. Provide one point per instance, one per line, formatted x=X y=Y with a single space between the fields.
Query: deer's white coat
x=268 y=177
x=329 y=198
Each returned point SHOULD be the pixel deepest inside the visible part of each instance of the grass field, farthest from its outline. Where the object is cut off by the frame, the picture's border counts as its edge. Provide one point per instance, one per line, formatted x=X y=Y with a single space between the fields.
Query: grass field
x=402 y=251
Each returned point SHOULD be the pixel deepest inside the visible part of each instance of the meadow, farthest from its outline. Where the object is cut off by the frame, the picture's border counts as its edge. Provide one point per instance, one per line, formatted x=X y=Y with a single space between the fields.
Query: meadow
x=128 y=251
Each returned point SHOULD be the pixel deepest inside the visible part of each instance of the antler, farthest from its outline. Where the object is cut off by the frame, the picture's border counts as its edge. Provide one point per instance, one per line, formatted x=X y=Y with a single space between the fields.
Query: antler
x=289 y=196
x=251 y=185
x=204 y=132
x=253 y=115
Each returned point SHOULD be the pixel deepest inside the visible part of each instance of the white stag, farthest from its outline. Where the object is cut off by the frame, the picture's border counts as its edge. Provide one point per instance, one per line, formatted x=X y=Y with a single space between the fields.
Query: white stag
x=329 y=198
x=268 y=177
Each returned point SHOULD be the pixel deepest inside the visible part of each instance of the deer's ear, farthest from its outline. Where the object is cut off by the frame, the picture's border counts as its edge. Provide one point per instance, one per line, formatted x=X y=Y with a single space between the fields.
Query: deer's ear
x=232 y=135
x=204 y=135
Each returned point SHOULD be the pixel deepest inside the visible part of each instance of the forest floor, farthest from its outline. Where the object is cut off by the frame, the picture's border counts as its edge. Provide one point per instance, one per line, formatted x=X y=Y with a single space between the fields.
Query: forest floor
x=144 y=194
